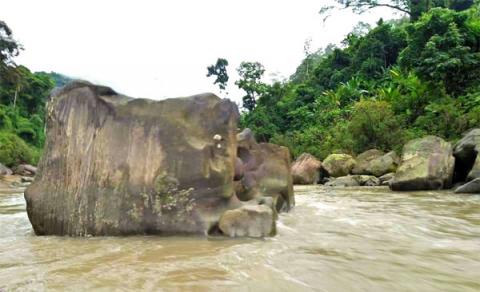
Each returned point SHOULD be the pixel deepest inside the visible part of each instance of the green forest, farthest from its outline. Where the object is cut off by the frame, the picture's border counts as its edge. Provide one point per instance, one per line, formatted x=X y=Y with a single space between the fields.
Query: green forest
x=381 y=87
x=23 y=96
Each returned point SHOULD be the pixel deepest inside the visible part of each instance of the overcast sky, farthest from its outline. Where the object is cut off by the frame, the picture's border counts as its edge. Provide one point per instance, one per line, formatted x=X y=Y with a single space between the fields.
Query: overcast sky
x=160 y=49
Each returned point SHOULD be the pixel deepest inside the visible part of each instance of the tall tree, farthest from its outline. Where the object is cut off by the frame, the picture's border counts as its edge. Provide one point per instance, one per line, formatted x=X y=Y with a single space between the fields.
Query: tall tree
x=250 y=75
x=219 y=70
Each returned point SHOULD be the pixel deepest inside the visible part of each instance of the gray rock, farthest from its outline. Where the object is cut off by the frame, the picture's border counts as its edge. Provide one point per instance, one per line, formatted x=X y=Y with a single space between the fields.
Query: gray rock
x=248 y=221
x=427 y=164
x=471 y=187
x=343 y=181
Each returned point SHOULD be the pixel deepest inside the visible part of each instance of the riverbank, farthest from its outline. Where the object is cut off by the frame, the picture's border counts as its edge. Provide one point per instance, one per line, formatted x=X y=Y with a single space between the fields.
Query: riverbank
x=335 y=239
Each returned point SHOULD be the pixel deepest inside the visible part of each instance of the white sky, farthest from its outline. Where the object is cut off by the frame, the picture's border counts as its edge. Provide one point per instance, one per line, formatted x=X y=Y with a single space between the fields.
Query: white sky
x=158 y=49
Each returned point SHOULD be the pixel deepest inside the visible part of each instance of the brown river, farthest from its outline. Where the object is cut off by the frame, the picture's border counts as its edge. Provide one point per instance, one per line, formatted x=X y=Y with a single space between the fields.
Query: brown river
x=349 y=239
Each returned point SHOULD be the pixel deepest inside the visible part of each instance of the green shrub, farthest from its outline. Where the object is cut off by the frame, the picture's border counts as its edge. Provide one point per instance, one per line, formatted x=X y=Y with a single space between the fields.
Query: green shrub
x=14 y=151
x=374 y=125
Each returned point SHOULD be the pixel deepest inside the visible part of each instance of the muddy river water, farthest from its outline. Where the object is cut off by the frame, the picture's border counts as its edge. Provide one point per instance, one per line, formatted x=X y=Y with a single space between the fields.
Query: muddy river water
x=349 y=239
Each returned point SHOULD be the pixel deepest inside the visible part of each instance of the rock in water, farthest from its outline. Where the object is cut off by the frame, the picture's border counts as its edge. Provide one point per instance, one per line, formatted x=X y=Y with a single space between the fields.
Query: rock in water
x=249 y=220
x=337 y=165
x=266 y=172
x=115 y=166
x=471 y=187
x=306 y=170
x=427 y=164
x=467 y=164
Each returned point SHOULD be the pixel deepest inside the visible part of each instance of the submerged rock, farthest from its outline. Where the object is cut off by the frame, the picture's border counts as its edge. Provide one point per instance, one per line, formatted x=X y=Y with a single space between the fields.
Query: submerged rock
x=266 y=172
x=471 y=187
x=306 y=170
x=467 y=164
x=249 y=220
x=427 y=164
x=337 y=165
x=113 y=165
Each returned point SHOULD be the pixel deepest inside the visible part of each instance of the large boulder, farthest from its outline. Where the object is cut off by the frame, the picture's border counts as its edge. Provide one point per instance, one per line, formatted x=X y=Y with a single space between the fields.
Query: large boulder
x=113 y=165
x=337 y=165
x=249 y=220
x=267 y=172
x=363 y=161
x=467 y=164
x=427 y=164
x=306 y=170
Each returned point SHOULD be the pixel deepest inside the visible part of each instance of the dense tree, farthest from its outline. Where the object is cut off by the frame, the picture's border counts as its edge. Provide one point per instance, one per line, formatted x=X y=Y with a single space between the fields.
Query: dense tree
x=219 y=71
x=398 y=81
x=250 y=81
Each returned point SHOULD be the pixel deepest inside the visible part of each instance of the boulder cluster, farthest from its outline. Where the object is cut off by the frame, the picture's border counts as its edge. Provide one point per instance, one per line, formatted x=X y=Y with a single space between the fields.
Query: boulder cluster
x=428 y=163
x=370 y=168
x=114 y=165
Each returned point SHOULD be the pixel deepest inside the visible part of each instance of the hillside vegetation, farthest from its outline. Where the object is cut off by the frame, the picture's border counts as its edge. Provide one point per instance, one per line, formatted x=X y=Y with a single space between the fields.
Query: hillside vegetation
x=400 y=80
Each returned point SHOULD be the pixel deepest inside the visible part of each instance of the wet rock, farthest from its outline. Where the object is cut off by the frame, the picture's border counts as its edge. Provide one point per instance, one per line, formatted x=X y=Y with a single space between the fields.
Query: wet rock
x=266 y=171
x=427 y=164
x=114 y=165
x=467 y=164
x=248 y=221
x=367 y=180
x=306 y=170
x=386 y=179
x=363 y=161
x=337 y=165
x=471 y=187
x=5 y=170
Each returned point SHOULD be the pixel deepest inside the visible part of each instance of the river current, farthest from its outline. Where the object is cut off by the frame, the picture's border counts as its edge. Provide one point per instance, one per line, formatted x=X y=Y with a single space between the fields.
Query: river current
x=348 y=239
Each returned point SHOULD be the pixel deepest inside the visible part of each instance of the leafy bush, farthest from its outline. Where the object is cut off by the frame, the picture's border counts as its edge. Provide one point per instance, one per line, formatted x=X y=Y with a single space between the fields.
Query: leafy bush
x=14 y=151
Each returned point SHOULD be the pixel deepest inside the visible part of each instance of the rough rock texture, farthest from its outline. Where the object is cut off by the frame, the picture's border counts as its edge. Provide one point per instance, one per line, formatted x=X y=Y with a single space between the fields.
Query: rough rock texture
x=427 y=164
x=306 y=170
x=471 y=187
x=115 y=166
x=467 y=164
x=384 y=164
x=266 y=172
x=249 y=220
x=5 y=170
x=363 y=161
x=354 y=181
x=337 y=165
